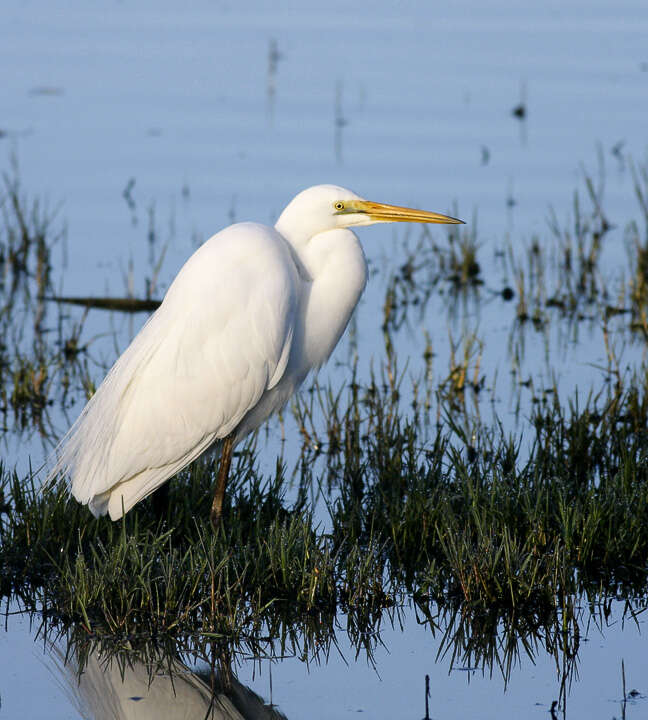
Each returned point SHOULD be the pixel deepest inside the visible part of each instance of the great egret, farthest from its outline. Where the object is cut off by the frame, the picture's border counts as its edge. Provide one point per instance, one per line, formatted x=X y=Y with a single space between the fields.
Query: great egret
x=249 y=315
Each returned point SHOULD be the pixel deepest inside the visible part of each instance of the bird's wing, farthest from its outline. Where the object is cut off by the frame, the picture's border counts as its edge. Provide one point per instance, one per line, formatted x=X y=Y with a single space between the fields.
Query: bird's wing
x=221 y=338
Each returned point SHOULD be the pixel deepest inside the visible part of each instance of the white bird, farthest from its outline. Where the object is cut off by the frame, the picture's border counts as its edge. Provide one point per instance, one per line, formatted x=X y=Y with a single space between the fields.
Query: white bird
x=248 y=316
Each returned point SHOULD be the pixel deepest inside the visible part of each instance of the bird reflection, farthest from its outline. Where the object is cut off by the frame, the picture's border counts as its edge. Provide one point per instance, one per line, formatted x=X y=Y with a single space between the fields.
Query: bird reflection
x=111 y=687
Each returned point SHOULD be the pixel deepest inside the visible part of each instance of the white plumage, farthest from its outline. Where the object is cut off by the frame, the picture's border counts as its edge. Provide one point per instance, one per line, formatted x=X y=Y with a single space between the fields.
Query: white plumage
x=248 y=316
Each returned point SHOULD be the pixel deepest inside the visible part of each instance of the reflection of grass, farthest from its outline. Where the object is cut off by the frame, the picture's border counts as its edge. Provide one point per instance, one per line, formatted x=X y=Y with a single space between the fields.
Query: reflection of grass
x=429 y=267
x=42 y=359
x=26 y=238
x=37 y=363
x=560 y=277
x=451 y=391
x=483 y=528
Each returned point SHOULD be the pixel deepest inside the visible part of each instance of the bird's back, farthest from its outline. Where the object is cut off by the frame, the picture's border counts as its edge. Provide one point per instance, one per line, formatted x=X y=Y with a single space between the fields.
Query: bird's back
x=220 y=339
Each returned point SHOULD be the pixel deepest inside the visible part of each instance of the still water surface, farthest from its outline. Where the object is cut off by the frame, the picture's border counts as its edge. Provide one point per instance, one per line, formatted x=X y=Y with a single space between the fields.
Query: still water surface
x=224 y=111
x=343 y=688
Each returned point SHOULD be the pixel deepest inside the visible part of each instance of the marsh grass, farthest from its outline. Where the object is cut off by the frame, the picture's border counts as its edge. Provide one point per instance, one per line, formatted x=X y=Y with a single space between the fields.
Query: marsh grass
x=43 y=359
x=556 y=282
x=400 y=498
x=38 y=360
x=474 y=525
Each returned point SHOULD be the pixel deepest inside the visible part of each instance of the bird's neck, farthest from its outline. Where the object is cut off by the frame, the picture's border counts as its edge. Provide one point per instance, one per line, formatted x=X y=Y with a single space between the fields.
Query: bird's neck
x=335 y=270
x=298 y=235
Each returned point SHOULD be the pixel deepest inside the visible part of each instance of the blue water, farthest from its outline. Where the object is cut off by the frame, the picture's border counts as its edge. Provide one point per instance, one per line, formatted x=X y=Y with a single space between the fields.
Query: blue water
x=405 y=103
x=394 y=687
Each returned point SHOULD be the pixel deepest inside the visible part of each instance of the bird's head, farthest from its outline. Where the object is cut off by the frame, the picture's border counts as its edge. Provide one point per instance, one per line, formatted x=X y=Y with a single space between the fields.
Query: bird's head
x=327 y=207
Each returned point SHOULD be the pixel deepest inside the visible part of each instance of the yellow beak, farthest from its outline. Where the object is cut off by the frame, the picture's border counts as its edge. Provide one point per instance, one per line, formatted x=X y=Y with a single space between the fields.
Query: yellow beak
x=379 y=212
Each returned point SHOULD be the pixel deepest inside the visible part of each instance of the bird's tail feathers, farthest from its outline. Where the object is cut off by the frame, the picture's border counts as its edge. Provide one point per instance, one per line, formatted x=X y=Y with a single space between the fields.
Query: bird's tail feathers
x=84 y=453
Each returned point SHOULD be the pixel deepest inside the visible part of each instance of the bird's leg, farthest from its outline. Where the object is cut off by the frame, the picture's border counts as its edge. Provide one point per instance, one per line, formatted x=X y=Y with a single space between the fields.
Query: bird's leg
x=160 y=502
x=221 y=481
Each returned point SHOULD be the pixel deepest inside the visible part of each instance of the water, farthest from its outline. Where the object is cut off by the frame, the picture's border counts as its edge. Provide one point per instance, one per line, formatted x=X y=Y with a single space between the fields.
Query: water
x=223 y=113
x=345 y=686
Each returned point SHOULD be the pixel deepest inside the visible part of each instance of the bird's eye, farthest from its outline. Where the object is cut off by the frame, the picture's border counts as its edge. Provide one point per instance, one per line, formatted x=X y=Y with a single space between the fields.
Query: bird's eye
x=339 y=206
